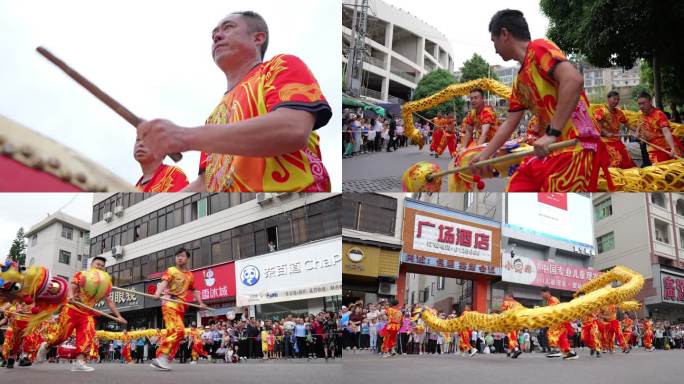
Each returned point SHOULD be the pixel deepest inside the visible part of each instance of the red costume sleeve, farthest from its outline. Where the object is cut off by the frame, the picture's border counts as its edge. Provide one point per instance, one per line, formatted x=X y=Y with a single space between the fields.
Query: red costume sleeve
x=290 y=84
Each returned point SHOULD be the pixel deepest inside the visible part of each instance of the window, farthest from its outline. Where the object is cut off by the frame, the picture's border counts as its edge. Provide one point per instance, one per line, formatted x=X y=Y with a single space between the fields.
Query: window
x=369 y=212
x=432 y=289
x=681 y=238
x=79 y=258
x=426 y=295
x=272 y=238
x=440 y=283
x=605 y=243
x=202 y=208
x=662 y=231
x=64 y=257
x=603 y=209
x=680 y=207
x=413 y=297
x=34 y=239
x=658 y=198
x=67 y=232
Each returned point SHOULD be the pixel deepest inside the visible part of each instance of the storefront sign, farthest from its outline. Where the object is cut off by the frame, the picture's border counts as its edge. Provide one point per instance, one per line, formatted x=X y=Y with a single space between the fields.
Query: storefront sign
x=360 y=260
x=672 y=288
x=304 y=272
x=443 y=238
x=214 y=282
x=124 y=301
x=452 y=238
x=474 y=267
x=524 y=270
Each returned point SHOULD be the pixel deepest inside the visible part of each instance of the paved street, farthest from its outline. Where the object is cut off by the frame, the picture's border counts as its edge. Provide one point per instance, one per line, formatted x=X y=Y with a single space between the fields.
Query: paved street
x=381 y=171
x=636 y=367
x=252 y=372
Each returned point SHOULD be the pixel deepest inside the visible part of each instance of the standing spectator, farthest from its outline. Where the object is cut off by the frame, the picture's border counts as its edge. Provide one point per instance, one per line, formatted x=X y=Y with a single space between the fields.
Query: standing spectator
x=139 y=350
x=300 y=335
x=378 y=128
x=391 y=142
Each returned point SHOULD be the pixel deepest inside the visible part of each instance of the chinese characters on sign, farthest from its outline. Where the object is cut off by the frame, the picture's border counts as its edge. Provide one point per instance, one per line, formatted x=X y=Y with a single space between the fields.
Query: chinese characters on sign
x=524 y=270
x=672 y=288
x=452 y=239
x=123 y=300
x=450 y=264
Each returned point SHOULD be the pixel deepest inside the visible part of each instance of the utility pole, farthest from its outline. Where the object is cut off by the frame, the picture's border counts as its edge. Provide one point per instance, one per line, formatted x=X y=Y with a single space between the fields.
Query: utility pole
x=357 y=50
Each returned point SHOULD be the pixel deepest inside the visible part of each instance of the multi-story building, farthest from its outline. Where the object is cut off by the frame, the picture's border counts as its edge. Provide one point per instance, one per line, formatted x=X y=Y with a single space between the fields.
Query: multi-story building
x=244 y=247
x=400 y=50
x=645 y=232
x=59 y=242
x=371 y=230
x=599 y=81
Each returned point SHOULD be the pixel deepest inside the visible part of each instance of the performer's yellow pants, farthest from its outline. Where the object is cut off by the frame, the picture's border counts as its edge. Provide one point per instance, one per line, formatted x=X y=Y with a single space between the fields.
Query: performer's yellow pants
x=175 y=330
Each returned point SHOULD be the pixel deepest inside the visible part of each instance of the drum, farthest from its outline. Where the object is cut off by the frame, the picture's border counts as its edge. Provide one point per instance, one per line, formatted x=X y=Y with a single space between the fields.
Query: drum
x=31 y=162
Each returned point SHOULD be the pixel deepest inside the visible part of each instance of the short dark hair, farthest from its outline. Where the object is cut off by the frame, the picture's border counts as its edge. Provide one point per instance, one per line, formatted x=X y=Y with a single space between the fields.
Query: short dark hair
x=478 y=90
x=256 y=23
x=644 y=95
x=98 y=258
x=182 y=250
x=613 y=94
x=513 y=21
x=545 y=289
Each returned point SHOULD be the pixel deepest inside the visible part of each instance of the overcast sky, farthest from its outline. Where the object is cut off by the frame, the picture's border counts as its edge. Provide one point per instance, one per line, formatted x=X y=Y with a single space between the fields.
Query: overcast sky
x=27 y=209
x=155 y=58
x=465 y=23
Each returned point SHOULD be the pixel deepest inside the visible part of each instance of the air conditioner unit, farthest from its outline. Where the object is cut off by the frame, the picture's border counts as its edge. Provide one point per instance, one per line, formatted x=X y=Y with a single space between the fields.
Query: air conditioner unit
x=117 y=252
x=108 y=217
x=387 y=289
x=118 y=210
x=262 y=198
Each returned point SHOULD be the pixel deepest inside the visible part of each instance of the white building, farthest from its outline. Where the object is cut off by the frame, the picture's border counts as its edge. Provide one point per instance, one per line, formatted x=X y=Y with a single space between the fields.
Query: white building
x=139 y=234
x=599 y=81
x=60 y=243
x=645 y=232
x=400 y=50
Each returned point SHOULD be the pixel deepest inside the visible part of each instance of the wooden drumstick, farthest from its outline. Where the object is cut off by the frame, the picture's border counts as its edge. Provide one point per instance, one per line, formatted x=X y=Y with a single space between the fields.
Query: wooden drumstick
x=122 y=111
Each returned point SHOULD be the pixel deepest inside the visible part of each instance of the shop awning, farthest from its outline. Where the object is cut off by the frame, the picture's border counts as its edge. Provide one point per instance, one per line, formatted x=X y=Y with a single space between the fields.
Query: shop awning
x=353 y=102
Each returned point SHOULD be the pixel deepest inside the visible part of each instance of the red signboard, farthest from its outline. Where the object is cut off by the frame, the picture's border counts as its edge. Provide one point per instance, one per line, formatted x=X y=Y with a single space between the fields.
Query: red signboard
x=558 y=200
x=672 y=288
x=215 y=282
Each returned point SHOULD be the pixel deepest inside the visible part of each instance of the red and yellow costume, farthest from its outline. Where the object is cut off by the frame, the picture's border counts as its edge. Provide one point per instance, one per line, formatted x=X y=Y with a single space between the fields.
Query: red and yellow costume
x=648 y=334
x=179 y=283
x=612 y=328
x=512 y=335
x=591 y=336
x=126 y=350
x=627 y=325
x=15 y=329
x=448 y=139
x=476 y=119
x=282 y=82
x=389 y=336
x=439 y=124
x=534 y=131
x=93 y=286
x=610 y=122
x=167 y=178
x=558 y=334
x=572 y=169
x=464 y=342
x=197 y=345
x=651 y=129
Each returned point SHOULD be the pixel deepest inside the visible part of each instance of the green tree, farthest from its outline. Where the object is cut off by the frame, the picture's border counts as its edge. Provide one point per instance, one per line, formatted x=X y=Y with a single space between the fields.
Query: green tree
x=672 y=92
x=476 y=68
x=17 y=250
x=619 y=32
x=434 y=82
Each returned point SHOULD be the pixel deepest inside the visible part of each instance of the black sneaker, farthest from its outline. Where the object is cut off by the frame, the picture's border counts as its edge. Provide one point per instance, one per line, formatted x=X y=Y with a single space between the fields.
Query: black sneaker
x=591 y=353
x=10 y=363
x=24 y=362
x=4 y=364
x=570 y=356
x=555 y=354
x=598 y=354
x=516 y=354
